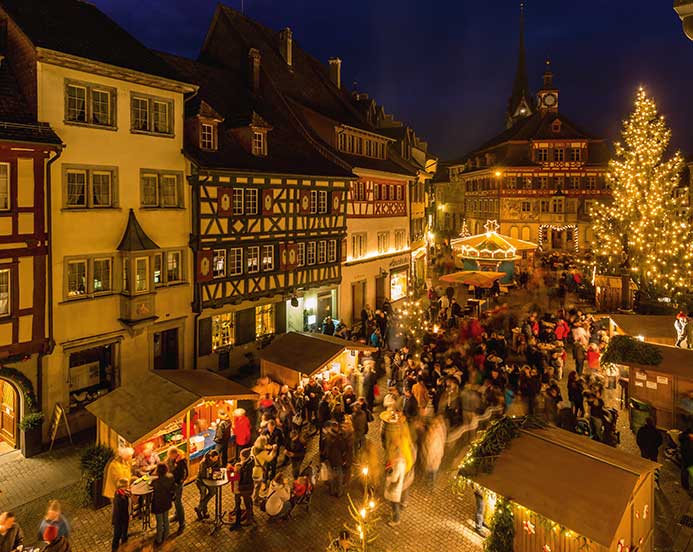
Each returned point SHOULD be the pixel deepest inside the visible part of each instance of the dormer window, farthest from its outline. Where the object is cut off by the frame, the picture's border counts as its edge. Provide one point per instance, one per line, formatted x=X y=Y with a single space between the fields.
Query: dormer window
x=259 y=143
x=208 y=136
x=556 y=126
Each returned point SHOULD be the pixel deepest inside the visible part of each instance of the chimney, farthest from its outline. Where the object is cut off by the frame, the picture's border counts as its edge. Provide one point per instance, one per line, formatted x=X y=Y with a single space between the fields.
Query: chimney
x=254 y=68
x=335 y=71
x=285 y=45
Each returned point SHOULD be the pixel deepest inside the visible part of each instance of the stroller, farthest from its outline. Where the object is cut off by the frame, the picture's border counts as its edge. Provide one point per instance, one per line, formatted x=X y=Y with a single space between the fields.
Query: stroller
x=609 y=434
x=302 y=491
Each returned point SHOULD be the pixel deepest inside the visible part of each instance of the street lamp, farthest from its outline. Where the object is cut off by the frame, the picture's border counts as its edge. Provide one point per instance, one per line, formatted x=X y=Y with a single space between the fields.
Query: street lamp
x=685 y=10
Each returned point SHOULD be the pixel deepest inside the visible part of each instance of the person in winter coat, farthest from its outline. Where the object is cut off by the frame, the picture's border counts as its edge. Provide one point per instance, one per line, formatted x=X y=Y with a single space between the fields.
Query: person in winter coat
x=222 y=436
x=296 y=452
x=450 y=402
x=593 y=356
x=120 y=518
x=410 y=406
x=241 y=428
x=471 y=402
x=54 y=518
x=162 y=501
x=56 y=542
x=575 y=393
x=11 y=534
x=339 y=447
x=242 y=485
x=178 y=467
x=117 y=469
x=680 y=325
x=649 y=440
x=359 y=421
x=395 y=490
x=210 y=462
x=433 y=446
x=262 y=454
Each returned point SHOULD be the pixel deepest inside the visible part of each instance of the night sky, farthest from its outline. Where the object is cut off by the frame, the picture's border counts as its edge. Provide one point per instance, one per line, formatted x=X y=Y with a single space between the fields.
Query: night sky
x=446 y=66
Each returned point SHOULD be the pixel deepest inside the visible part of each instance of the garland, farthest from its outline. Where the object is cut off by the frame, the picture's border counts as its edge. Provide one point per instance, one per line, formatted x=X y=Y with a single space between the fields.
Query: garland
x=23 y=383
x=624 y=349
x=502 y=528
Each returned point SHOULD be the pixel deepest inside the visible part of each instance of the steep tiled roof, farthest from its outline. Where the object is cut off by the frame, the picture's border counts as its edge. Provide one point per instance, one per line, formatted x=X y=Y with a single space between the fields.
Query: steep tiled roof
x=134 y=237
x=80 y=29
x=226 y=92
x=304 y=84
x=17 y=123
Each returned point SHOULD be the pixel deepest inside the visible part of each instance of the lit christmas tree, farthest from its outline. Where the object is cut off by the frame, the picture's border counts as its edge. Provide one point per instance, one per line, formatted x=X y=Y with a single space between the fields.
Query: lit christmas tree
x=643 y=233
x=464 y=233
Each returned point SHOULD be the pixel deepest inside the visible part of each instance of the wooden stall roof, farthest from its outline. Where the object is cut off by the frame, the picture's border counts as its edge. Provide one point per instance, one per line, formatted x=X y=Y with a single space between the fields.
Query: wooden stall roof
x=307 y=352
x=648 y=326
x=676 y=361
x=207 y=384
x=140 y=407
x=602 y=477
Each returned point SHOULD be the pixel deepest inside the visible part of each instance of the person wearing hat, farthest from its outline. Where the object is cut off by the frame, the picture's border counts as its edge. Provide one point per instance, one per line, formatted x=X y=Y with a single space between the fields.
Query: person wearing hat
x=120 y=518
x=222 y=435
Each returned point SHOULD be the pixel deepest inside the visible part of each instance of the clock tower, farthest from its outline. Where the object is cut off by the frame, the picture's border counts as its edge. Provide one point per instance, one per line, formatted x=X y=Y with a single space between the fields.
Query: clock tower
x=547 y=97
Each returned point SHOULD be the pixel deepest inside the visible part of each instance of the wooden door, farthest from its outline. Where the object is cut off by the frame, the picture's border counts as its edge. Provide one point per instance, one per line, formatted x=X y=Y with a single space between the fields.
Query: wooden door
x=8 y=413
x=358 y=300
x=166 y=350
x=380 y=291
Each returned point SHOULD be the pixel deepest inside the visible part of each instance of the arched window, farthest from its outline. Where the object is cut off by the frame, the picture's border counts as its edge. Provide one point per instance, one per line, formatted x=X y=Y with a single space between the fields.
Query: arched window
x=526 y=233
x=514 y=232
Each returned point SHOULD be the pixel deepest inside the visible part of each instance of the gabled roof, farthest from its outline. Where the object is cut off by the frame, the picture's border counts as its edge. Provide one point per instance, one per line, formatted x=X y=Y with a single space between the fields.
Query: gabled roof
x=134 y=237
x=226 y=92
x=510 y=146
x=81 y=29
x=17 y=123
x=570 y=501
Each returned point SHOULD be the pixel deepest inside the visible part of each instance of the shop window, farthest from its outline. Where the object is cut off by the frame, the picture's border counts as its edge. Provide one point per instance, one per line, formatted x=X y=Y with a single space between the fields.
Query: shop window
x=223 y=330
x=398 y=285
x=264 y=320
x=92 y=373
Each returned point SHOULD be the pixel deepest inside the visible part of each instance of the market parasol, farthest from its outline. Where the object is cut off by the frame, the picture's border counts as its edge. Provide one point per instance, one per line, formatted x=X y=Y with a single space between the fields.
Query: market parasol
x=476 y=278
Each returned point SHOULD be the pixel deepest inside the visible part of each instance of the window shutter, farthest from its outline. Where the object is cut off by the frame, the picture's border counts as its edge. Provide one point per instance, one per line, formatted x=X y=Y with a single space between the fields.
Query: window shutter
x=280 y=317
x=343 y=252
x=225 y=202
x=245 y=326
x=204 y=336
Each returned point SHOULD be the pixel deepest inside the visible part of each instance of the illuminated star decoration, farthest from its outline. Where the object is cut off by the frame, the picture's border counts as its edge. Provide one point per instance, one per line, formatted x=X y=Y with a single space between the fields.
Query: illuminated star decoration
x=529 y=527
x=491 y=226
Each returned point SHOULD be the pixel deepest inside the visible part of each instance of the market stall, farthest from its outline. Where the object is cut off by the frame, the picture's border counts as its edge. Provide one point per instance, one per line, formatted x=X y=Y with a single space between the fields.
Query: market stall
x=295 y=356
x=166 y=408
x=608 y=505
x=653 y=328
x=660 y=380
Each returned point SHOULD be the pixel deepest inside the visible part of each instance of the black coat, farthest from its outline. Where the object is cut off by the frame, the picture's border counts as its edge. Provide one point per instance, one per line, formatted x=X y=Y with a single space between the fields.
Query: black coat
x=649 y=440
x=121 y=508
x=163 y=494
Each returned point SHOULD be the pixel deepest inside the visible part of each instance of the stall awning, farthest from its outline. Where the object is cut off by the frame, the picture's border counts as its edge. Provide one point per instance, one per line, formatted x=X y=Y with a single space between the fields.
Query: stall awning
x=477 y=278
x=137 y=409
x=608 y=477
x=648 y=326
x=307 y=352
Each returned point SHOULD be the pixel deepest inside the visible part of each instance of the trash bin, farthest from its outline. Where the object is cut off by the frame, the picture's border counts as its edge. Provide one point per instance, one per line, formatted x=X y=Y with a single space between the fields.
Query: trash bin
x=638 y=412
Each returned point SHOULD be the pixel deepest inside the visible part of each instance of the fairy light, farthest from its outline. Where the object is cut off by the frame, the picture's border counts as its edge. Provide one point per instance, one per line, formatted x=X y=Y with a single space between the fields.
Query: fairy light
x=645 y=230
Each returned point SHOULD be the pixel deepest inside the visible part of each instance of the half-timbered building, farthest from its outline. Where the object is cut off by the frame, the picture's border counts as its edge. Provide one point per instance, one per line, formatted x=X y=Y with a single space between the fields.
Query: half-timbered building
x=376 y=253
x=268 y=214
x=539 y=177
x=26 y=147
x=118 y=211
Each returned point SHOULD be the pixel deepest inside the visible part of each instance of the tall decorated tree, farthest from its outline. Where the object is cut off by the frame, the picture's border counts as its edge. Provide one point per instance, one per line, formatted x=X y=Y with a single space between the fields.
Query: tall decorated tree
x=643 y=232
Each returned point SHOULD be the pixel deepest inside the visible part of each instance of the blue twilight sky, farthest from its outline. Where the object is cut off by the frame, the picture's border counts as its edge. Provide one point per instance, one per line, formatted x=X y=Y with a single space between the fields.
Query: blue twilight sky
x=446 y=66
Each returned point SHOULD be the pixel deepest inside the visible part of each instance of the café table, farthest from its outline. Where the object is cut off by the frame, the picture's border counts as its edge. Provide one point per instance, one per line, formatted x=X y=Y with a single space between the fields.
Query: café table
x=142 y=488
x=217 y=484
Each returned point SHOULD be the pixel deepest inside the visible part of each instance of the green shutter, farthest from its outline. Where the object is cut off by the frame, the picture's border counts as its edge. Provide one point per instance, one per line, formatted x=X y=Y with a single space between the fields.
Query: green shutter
x=204 y=336
x=245 y=326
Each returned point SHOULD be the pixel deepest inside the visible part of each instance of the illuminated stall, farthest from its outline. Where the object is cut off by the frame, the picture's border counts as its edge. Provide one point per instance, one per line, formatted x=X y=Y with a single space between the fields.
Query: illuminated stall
x=166 y=408
x=295 y=356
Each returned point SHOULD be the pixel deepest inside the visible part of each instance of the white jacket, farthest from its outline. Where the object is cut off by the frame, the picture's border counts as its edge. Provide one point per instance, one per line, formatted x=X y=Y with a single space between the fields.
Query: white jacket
x=394 y=481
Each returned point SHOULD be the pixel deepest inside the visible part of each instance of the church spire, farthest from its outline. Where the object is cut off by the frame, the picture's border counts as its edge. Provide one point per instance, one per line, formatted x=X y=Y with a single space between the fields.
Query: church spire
x=520 y=102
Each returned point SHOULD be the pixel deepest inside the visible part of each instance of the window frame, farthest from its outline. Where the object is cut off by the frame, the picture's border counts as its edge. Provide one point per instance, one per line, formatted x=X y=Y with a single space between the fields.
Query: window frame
x=383 y=242
x=218 y=319
x=301 y=254
x=527 y=204
x=259 y=143
x=267 y=252
x=218 y=254
x=151 y=119
x=260 y=312
x=89 y=90
x=160 y=177
x=92 y=278
x=322 y=252
x=400 y=239
x=331 y=251
x=88 y=261
x=559 y=155
x=238 y=202
x=147 y=279
x=89 y=172
x=250 y=201
x=311 y=253
x=8 y=311
x=213 y=144
x=253 y=252
x=322 y=202
x=235 y=253
x=7 y=193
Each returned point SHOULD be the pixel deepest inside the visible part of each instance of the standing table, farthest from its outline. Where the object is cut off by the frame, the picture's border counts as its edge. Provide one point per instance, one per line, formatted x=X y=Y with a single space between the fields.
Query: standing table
x=143 y=489
x=217 y=484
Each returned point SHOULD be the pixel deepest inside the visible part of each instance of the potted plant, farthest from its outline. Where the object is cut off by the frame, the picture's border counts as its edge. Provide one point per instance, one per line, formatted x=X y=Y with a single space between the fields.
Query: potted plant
x=93 y=463
x=32 y=436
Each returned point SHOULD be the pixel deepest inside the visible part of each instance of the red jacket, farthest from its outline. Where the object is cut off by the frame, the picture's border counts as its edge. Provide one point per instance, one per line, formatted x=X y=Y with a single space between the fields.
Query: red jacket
x=241 y=429
x=562 y=330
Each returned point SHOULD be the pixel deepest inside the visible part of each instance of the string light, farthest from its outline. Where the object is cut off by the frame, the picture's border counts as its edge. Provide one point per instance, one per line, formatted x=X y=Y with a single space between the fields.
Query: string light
x=644 y=230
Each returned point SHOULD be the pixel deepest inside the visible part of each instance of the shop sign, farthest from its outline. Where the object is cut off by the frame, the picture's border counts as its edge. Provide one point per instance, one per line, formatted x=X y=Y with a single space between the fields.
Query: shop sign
x=662 y=380
x=651 y=385
x=399 y=261
x=640 y=375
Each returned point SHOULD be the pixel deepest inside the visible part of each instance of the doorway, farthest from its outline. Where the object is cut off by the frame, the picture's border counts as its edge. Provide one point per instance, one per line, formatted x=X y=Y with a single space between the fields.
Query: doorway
x=166 y=350
x=358 y=300
x=380 y=290
x=324 y=307
x=9 y=406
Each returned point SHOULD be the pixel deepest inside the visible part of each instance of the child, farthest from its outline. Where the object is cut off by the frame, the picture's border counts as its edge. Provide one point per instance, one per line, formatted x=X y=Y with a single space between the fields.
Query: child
x=121 y=514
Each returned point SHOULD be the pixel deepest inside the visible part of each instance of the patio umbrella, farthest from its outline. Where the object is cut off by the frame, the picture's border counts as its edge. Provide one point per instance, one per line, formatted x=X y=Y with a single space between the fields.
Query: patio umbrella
x=476 y=278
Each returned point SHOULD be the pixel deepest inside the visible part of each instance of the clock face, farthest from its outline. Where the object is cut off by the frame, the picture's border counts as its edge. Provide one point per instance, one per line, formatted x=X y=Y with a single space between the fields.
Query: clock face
x=550 y=100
